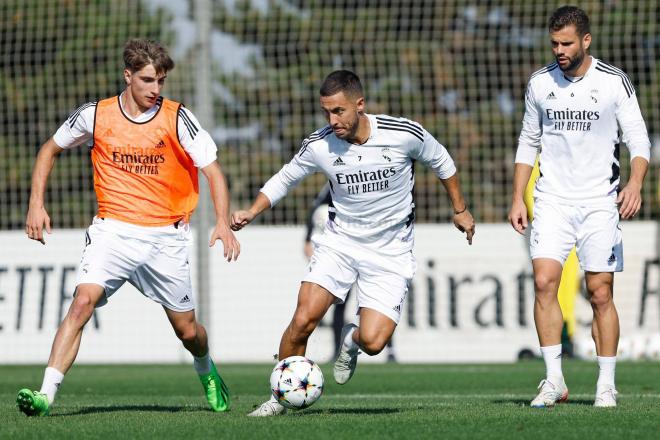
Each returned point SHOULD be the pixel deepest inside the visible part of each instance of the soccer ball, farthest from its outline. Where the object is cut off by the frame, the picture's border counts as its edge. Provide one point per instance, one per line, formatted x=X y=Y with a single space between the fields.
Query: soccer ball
x=296 y=382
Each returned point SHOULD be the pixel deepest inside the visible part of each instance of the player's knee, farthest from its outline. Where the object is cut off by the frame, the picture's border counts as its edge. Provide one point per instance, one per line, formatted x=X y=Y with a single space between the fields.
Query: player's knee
x=303 y=325
x=81 y=308
x=545 y=285
x=373 y=347
x=187 y=334
x=601 y=296
x=372 y=344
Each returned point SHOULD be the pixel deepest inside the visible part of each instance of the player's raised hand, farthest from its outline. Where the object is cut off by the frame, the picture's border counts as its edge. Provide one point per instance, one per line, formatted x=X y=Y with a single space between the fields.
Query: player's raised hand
x=518 y=217
x=629 y=200
x=240 y=219
x=232 y=248
x=465 y=223
x=37 y=220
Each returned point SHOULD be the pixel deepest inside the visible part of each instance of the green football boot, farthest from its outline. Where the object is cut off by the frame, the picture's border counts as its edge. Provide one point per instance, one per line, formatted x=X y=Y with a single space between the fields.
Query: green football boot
x=32 y=403
x=217 y=393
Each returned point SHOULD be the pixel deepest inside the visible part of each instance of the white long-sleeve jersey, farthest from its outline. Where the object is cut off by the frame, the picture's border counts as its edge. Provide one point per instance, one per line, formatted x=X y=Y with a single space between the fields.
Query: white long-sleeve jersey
x=573 y=121
x=371 y=184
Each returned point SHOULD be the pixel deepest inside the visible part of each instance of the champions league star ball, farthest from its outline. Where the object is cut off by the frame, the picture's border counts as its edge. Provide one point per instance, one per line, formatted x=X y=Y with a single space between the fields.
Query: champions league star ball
x=296 y=382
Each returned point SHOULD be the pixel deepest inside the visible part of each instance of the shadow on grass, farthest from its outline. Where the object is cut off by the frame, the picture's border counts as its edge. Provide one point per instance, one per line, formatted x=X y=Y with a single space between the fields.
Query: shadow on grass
x=525 y=402
x=361 y=411
x=117 y=408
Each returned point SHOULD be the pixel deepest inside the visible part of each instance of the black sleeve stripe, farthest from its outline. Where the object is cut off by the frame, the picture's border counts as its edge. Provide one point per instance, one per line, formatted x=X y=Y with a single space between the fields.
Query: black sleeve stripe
x=611 y=67
x=320 y=134
x=382 y=124
x=74 y=116
x=187 y=119
x=548 y=68
x=94 y=127
x=316 y=136
x=401 y=123
x=618 y=72
x=626 y=83
x=614 y=69
x=192 y=128
x=395 y=128
x=603 y=67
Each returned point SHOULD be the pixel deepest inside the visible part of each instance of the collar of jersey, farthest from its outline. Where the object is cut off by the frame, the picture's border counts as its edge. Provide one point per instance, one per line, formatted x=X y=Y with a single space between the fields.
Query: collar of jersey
x=144 y=117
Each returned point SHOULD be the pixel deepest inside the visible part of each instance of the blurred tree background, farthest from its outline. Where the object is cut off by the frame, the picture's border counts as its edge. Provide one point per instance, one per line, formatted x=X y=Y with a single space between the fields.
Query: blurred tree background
x=458 y=67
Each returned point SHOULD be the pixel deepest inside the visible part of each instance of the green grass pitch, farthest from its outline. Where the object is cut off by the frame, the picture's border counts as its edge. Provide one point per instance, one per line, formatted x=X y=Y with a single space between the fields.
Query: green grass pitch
x=380 y=402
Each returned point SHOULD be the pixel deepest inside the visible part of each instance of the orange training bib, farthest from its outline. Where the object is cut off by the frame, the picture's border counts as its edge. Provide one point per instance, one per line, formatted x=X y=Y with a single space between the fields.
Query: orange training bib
x=142 y=174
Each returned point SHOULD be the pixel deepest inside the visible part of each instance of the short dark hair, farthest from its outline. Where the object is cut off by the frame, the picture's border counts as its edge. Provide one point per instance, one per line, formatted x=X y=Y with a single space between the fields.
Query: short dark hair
x=342 y=81
x=139 y=53
x=570 y=15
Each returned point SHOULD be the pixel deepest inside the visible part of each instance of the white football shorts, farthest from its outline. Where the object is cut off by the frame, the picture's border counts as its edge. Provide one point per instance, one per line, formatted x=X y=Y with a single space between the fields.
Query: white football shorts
x=594 y=230
x=381 y=280
x=114 y=254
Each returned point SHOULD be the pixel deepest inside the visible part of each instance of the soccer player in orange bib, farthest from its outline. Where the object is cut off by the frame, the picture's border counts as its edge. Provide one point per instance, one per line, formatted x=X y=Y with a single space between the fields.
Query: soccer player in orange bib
x=146 y=151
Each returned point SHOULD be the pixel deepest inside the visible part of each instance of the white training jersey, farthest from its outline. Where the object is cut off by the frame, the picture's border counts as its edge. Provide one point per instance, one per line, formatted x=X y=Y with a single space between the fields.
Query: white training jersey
x=371 y=184
x=573 y=121
x=197 y=142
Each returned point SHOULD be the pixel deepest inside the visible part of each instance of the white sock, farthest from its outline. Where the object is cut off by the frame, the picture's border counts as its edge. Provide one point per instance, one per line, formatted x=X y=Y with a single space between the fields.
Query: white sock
x=607 y=366
x=52 y=380
x=348 y=341
x=202 y=364
x=552 y=358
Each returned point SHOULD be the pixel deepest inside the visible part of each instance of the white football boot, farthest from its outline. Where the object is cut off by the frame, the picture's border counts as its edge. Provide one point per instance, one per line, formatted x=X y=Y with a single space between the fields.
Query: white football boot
x=550 y=393
x=347 y=358
x=605 y=396
x=269 y=408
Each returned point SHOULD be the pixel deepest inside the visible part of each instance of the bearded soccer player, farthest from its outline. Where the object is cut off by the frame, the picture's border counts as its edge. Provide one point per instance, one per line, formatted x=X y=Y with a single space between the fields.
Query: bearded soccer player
x=368 y=240
x=573 y=108
x=146 y=151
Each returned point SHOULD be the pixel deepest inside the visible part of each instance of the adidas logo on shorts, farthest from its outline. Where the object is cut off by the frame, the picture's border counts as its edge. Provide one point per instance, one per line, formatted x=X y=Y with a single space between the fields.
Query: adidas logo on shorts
x=185 y=299
x=612 y=259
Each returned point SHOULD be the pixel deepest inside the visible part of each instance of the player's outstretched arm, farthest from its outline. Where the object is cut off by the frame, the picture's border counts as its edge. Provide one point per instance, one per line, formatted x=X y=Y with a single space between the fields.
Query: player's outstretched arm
x=240 y=219
x=462 y=217
x=630 y=197
x=220 y=197
x=518 y=211
x=37 y=217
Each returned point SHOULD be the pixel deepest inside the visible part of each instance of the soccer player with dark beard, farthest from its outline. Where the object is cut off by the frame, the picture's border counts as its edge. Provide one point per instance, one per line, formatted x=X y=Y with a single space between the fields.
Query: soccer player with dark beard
x=573 y=111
